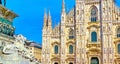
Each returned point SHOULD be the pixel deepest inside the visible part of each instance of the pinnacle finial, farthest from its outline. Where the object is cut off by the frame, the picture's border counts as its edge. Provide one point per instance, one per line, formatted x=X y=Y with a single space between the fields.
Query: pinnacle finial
x=45 y=18
x=63 y=6
x=63 y=2
x=4 y=2
x=45 y=14
x=49 y=19
x=49 y=14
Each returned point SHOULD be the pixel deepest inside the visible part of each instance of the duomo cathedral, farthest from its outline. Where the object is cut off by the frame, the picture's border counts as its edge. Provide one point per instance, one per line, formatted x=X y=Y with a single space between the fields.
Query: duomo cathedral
x=88 y=34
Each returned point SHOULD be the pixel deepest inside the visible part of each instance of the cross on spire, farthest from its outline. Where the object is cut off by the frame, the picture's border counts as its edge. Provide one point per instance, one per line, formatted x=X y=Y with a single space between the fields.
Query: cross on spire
x=4 y=2
x=0 y=1
x=63 y=6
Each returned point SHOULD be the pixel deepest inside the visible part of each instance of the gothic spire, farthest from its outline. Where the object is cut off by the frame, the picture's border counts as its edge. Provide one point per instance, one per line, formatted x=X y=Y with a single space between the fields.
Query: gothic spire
x=49 y=15
x=49 y=19
x=63 y=14
x=63 y=6
x=45 y=18
x=45 y=14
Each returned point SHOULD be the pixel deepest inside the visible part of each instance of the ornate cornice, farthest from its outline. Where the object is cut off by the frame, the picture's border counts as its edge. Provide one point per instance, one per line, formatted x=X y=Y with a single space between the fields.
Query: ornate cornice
x=5 y=13
x=117 y=60
x=70 y=59
x=93 y=24
x=70 y=42
x=55 y=59
x=94 y=51
x=70 y=55
x=116 y=40
x=93 y=45
x=58 y=43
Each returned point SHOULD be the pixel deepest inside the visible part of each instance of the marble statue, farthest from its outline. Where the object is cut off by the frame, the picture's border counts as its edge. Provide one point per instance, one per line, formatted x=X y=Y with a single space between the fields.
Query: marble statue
x=9 y=49
x=0 y=1
x=18 y=45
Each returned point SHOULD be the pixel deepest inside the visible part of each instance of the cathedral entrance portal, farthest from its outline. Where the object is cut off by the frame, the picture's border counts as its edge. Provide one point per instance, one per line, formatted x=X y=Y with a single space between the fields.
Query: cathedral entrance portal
x=55 y=63
x=94 y=60
x=70 y=63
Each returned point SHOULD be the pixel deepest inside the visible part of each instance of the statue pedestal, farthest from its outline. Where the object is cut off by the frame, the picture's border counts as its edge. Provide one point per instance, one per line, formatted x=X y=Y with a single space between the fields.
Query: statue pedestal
x=10 y=59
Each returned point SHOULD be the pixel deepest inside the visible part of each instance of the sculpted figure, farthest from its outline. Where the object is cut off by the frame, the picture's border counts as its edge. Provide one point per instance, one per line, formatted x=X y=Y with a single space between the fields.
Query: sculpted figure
x=18 y=45
x=0 y=1
x=9 y=49
x=19 y=42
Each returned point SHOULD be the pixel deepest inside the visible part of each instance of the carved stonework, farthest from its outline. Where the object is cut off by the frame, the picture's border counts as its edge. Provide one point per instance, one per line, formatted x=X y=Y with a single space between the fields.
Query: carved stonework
x=89 y=39
x=93 y=24
x=93 y=45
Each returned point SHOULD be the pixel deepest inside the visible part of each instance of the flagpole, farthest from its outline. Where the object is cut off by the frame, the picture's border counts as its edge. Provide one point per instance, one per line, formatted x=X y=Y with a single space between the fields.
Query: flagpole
x=101 y=33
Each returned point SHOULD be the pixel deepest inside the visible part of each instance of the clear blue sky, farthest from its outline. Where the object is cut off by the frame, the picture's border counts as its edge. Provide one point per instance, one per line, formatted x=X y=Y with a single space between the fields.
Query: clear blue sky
x=31 y=12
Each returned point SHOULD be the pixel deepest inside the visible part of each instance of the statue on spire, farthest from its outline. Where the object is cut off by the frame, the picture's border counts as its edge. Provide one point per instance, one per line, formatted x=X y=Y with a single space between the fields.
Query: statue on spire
x=4 y=2
x=49 y=19
x=0 y=1
x=63 y=6
x=45 y=18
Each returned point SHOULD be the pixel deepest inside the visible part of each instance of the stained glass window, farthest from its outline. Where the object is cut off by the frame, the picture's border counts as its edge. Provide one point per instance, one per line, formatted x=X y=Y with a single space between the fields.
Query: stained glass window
x=71 y=33
x=118 y=32
x=94 y=36
x=56 y=49
x=70 y=49
x=94 y=14
x=119 y=48
x=94 y=60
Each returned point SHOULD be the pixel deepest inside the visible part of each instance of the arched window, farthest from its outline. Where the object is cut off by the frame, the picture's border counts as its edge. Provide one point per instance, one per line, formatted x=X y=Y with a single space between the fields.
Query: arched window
x=71 y=33
x=56 y=49
x=94 y=14
x=119 y=48
x=70 y=49
x=94 y=60
x=118 y=32
x=94 y=36
x=70 y=63
x=55 y=63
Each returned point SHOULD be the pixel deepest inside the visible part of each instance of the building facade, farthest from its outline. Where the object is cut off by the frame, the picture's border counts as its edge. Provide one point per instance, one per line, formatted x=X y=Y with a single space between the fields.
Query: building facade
x=35 y=50
x=88 y=34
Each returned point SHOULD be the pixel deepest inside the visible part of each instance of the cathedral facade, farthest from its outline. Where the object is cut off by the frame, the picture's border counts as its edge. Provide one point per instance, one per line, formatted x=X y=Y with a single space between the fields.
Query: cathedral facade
x=88 y=34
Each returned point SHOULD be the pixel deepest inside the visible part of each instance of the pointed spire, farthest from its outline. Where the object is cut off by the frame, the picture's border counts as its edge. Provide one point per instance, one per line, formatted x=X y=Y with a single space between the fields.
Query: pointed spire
x=49 y=15
x=63 y=6
x=49 y=19
x=45 y=14
x=63 y=14
x=45 y=18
